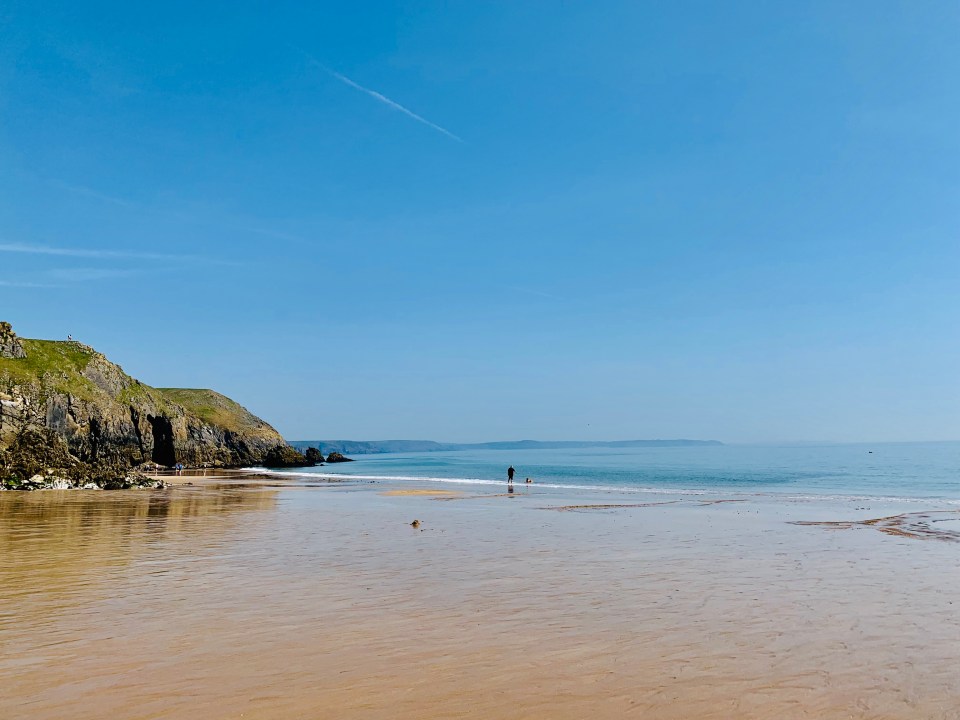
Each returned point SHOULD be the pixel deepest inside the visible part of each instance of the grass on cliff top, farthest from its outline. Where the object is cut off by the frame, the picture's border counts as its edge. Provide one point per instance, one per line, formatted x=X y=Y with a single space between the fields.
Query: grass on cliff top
x=59 y=366
x=137 y=392
x=217 y=409
x=63 y=362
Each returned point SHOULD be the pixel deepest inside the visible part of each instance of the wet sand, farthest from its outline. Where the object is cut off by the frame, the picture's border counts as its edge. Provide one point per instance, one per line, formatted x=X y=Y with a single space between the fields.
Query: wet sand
x=438 y=493
x=257 y=598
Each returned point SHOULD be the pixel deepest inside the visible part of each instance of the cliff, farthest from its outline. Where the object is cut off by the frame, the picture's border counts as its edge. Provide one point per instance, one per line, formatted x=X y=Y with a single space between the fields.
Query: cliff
x=72 y=394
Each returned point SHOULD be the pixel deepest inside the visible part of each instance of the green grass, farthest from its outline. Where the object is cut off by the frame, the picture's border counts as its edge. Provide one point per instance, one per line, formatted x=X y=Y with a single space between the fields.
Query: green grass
x=217 y=409
x=61 y=362
x=137 y=392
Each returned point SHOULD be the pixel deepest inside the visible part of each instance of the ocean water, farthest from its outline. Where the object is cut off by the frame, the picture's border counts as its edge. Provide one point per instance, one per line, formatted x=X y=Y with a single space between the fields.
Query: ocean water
x=895 y=471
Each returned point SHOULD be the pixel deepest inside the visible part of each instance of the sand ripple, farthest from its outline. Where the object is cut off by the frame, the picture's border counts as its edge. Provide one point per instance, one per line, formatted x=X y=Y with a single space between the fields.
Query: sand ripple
x=919 y=525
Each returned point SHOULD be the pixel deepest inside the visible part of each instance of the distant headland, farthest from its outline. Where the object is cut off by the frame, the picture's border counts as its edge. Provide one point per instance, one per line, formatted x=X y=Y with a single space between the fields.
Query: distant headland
x=369 y=447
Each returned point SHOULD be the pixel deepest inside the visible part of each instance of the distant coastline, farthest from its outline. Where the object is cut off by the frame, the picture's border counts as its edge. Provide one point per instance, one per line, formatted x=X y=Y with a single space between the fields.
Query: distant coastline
x=371 y=447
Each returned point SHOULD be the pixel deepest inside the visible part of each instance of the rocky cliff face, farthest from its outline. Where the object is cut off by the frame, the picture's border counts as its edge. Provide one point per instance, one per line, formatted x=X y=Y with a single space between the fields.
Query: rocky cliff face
x=105 y=416
x=10 y=346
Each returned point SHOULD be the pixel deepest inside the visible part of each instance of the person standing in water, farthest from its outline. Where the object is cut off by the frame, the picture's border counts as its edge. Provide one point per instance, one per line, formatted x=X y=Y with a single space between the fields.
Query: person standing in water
x=510 y=472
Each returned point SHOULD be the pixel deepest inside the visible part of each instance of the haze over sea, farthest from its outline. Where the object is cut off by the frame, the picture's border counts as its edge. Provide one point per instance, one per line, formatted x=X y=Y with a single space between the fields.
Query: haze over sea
x=888 y=471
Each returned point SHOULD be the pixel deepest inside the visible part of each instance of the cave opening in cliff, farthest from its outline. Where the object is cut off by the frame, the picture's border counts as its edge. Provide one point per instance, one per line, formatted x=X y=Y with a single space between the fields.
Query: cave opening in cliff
x=163 y=452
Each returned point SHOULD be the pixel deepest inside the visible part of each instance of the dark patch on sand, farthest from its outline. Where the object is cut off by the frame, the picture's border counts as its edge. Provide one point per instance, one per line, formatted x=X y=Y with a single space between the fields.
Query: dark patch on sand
x=576 y=508
x=475 y=497
x=918 y=526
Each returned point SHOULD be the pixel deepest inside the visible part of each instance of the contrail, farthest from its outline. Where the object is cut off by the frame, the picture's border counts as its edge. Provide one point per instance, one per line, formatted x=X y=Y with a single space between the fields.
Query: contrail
x=387 y=101
x=18 y=284
x=84 y=253
x=538 y=293
x=80 y=252
x=88 y=274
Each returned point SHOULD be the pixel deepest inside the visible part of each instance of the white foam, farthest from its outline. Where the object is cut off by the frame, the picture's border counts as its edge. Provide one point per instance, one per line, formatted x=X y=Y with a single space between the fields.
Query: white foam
x=484 y=481
x=616 y=488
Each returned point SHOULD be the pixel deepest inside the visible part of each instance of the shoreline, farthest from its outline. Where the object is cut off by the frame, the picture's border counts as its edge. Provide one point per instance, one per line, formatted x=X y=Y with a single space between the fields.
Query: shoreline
x=894 y=516
x=479 y=485
x=905 y=516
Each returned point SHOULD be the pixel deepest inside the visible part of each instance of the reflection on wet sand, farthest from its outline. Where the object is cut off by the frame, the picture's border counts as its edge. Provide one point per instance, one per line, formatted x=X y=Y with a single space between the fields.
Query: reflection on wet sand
x=52 y=542
x=910 y=525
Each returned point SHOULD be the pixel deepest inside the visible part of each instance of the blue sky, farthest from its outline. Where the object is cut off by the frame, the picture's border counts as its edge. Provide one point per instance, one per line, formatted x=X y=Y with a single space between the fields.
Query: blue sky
x=484 y=221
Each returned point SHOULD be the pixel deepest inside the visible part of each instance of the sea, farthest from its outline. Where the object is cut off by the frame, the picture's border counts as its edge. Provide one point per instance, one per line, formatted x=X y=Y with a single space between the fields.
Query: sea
x=897 y=472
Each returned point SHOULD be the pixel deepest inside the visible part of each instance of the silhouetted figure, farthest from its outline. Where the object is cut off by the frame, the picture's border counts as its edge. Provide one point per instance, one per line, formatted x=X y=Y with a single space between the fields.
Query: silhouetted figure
x=510 y=472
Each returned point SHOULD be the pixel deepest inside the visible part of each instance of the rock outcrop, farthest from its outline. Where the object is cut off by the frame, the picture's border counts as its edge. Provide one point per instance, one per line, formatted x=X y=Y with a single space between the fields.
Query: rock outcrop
x=336 y=457
x=10 y=346
x=284 y=457
x=105 y=417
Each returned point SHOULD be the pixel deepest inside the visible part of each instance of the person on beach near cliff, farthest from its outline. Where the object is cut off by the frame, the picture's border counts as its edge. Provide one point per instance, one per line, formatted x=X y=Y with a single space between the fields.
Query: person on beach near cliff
x=510 y=472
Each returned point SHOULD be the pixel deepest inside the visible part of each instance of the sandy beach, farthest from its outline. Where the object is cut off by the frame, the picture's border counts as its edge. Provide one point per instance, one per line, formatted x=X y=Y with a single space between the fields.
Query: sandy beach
x=258 y=598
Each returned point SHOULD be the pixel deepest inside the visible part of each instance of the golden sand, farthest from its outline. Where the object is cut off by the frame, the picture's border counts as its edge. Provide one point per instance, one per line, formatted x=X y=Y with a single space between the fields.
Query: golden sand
x=269 y=604
x=416 y=493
